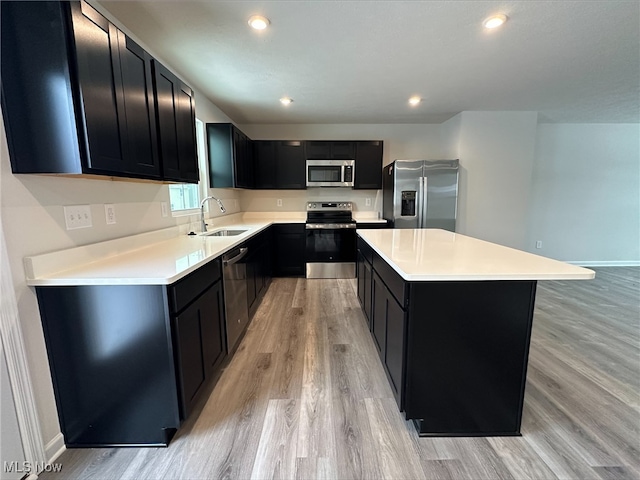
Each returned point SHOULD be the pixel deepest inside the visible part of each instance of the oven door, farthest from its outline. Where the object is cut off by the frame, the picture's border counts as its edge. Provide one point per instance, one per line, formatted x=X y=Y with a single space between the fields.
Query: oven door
x=331 y=250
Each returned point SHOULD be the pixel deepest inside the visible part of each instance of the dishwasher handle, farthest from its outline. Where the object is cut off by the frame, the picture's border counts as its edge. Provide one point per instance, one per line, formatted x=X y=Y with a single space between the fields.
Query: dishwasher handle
x=236 y=259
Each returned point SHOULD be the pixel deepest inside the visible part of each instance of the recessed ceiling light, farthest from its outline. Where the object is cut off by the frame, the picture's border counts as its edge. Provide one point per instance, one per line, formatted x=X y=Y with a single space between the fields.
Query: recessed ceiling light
x=413 y=101
x=495 y=21
x=259 y=22
x=286 y=100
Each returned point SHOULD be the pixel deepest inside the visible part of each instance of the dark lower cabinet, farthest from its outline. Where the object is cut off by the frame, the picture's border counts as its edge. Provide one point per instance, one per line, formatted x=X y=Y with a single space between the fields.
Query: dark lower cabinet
x=455 y=352
x=258 y=263
x=128 y=362
x=112 y=364
x=364 y=276
x=289 y=243
x=388 y=329
x=199 y=344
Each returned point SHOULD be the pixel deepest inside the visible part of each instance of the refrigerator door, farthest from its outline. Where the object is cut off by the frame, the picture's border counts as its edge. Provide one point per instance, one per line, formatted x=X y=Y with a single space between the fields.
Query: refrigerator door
x=407 y=204
x=440 y=194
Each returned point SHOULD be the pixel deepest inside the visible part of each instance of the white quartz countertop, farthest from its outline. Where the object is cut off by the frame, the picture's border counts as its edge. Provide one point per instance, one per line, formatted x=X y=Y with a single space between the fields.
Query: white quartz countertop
x=439 y=255
x=155 y=263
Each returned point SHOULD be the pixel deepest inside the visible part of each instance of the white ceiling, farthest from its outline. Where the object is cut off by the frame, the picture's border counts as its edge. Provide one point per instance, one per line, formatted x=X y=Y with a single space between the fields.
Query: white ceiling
x=359 y=61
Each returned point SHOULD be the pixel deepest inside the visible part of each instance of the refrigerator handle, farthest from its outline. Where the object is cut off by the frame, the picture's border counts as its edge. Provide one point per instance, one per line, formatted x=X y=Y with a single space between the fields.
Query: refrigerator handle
x=419 y=201
x=424 y=201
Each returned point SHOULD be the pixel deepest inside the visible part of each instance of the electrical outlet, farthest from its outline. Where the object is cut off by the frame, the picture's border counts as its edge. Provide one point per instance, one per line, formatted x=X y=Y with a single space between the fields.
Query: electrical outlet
x=110 y=213
x=165 y=209
x=279 y=202
x=539 y=244
x=367 y=202
x=77 y=216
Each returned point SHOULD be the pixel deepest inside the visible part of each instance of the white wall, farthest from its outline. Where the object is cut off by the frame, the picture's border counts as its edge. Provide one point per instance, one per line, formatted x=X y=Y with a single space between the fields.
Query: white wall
x=496 y=151
x=586 y=193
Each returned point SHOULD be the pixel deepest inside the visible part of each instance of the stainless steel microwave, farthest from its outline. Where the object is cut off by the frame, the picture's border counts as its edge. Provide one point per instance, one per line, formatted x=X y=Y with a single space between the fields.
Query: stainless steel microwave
x=330 y=173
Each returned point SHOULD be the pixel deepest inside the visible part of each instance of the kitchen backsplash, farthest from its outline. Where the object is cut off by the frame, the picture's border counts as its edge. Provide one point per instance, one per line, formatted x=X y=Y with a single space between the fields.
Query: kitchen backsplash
x=296 y=200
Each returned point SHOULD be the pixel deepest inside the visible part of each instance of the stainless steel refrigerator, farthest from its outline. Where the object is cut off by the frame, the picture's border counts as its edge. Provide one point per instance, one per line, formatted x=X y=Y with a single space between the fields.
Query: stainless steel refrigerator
x=421 y=193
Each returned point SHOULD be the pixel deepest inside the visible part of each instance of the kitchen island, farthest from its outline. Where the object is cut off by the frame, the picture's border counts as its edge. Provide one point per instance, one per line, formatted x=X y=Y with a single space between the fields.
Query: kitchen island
x=451 y=317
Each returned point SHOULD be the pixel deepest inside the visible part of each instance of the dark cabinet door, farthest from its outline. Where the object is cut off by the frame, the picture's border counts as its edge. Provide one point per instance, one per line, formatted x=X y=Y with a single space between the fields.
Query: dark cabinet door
x=364 y=286
x=343 y=150
x=329 y=150
x=189 y=355
x=264 y=164
x=289 y=250
x=317 y=150
x=242 y=159
x=379 y=319
x=388 y=333
x=368 y=165
x=368 y=292
x=101 y=94
x=139 y=108
x=198 y=336
x=213 y=345
x=291 y=165
x=176 y=126
x=394 y=353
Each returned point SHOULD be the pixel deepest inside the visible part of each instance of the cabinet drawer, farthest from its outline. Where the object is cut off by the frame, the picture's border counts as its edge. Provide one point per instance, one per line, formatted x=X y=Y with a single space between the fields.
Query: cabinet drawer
x=393 y=281
x=184 y=291
x=366 y=250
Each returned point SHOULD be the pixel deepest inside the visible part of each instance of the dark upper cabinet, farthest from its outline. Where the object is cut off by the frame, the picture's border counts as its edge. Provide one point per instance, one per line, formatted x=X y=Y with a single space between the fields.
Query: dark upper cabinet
x=176 y=126
x=291 y=165
x=368 y=165
x=139 y=107
x=264 y=164
x=83 y=75
x=329 y=150
x=279 y=164
x=230 y=156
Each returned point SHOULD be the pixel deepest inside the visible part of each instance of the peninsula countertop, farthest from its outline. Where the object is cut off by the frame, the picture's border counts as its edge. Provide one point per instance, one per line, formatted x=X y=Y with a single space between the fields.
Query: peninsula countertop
x=439 y=255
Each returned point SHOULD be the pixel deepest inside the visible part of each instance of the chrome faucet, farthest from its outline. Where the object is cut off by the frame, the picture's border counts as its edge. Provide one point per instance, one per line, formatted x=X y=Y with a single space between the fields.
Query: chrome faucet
x=218 y=201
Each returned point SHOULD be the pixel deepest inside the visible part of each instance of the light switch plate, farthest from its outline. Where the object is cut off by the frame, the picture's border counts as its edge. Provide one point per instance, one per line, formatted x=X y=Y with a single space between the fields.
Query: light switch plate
x=367 y=202
x=77 y=216
x=110 y=213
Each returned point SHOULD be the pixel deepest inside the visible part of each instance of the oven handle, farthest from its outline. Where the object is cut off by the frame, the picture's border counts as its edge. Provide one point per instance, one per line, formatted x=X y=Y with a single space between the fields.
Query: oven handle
x=328 y=226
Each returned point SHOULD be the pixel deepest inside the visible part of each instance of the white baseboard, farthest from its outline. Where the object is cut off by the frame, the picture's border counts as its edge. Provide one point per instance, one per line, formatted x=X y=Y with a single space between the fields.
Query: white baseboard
x=616 y=263
x=54 y=448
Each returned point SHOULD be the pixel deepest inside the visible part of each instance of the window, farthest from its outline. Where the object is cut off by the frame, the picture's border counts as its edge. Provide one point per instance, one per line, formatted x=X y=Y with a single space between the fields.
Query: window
x=185 y=197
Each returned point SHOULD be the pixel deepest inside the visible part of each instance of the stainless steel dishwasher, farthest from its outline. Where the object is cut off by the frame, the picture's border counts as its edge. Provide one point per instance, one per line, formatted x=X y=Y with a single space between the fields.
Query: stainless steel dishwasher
x=235 y=294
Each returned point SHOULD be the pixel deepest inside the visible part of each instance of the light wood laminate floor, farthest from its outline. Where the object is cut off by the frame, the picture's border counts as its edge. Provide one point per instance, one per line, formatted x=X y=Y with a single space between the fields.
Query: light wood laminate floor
x=306 y=397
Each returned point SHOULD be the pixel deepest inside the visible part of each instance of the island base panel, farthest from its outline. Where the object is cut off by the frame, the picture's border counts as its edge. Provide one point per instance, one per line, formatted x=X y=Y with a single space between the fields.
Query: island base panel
x=467 y=352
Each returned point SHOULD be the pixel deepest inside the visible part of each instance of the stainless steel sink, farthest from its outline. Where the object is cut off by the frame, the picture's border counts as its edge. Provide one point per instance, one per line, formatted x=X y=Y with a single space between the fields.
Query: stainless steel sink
x=223 y=233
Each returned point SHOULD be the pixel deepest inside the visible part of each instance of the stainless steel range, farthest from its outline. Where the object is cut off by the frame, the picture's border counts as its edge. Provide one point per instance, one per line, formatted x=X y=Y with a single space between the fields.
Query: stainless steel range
x=331 y=240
